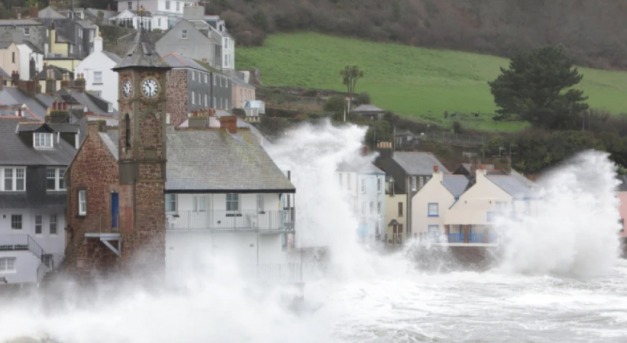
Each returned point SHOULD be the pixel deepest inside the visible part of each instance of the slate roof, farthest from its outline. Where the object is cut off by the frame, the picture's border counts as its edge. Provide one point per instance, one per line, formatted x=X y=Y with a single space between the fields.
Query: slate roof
x=217 y=161
x=514 y=184
x=15 y=150
x=11 y=96
x=141 y=54
x=19 y=22
x=50 y=13
x=455 y=184
x=418 y=162
x=58 y=72
x=176 y=60
x=114 y=57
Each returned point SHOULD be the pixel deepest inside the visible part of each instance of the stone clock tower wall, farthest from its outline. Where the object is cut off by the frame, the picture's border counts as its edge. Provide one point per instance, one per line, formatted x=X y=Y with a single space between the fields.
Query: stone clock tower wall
x=120 y=178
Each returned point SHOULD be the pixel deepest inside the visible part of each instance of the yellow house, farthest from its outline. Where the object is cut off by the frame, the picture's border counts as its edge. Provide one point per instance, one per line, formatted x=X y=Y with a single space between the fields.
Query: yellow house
x=9 y=57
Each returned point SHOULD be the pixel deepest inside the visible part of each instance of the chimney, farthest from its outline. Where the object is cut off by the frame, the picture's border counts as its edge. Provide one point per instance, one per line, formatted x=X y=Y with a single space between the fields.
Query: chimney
x=19 y=15
x=436 y=168
x=79 y=83
x=33 y=12
x=197 y=120
x=98 y=43
x=15 y=78
x=229 y=123
x=59 y=113
x=65 y=81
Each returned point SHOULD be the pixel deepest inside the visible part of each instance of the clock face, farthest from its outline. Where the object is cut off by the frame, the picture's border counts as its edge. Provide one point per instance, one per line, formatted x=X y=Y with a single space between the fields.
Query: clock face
x=150 y=87
x=126 y=88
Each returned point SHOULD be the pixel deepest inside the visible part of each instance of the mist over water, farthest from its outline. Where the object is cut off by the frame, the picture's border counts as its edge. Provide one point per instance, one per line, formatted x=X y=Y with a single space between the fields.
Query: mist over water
x=573 y=225
x=540 y=292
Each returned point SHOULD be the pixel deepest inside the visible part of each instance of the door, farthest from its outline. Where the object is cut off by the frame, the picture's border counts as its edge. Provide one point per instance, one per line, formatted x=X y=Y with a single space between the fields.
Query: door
x=115 y=210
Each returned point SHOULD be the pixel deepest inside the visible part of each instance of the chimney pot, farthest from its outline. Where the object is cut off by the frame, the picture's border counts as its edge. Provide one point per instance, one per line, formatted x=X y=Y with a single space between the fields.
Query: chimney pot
x=435 y=168
x=229 y=123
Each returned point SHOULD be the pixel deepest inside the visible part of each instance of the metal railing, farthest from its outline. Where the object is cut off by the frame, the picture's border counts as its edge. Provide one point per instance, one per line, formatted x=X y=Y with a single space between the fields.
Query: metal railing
x=102 y=223
x=252 y=220
x=21 y=242
x=473 y=237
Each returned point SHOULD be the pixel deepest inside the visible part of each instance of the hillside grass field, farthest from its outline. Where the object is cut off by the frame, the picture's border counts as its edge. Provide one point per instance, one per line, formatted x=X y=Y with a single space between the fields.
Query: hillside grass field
x=412 y=82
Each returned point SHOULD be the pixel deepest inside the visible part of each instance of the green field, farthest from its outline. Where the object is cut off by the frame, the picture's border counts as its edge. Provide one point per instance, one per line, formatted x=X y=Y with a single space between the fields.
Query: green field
x=412 y=82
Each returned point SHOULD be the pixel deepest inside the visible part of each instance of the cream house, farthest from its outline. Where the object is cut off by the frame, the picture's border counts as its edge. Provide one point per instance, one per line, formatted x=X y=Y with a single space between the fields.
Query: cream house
x=470 y=218
x=431 y=205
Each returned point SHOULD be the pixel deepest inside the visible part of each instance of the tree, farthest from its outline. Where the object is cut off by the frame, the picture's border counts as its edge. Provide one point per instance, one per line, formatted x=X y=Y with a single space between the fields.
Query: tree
x=537 y=87
x=350 y=75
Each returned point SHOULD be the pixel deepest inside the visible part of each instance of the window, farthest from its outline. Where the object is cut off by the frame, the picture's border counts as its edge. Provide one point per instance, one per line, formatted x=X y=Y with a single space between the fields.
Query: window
x=98 y=77
x=13 y=57
x=38 y=223
x=54 y=179
x=167 y=5
x=53 y=224
x=206 y=80
x=178 y=6
x=7 y=264
x=379 y=207
x=232 y=202
x=379 y=185
x=363 y=186
x=42 y=140
x=82 y=202
x=16 y=221
x=193 y=97
x=432 y=209
x=200 y=204
x=206 y=103
x=170 y=202
x=193 y=75
x=27 y=31
x=183 y=34
x=158 y=22
x=400 y=209
x=130 y=5
x=14 y=179
x=413 y=183
x=127 y=130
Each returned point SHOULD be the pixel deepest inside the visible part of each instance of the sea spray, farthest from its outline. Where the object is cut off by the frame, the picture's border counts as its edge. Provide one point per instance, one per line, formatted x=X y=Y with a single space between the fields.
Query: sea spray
x=573 y=221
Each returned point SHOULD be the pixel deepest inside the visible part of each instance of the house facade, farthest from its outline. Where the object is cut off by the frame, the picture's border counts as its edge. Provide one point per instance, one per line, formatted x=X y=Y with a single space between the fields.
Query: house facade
x=20 y=30
x=228 y=200
x=408 y=172
x=471 y=218
x=365 y=189
x=430 y=206
x=97 y=70
x=33 y=196
x=185 y=39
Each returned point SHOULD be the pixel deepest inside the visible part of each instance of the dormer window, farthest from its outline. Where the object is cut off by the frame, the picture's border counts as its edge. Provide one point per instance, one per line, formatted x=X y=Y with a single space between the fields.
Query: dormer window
x=42 y=140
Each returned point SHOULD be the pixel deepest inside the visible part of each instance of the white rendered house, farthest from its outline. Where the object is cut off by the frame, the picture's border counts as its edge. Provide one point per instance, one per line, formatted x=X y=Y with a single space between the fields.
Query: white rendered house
x=99 y=76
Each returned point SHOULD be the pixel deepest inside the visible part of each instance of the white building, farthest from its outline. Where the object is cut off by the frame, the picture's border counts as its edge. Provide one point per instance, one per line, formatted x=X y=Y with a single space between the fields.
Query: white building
x=32 y=198
x=97 y=71
x=365 y=187
x=225 y=197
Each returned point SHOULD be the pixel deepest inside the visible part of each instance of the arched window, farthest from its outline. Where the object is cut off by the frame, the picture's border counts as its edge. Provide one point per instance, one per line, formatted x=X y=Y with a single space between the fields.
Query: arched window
x=127 y=130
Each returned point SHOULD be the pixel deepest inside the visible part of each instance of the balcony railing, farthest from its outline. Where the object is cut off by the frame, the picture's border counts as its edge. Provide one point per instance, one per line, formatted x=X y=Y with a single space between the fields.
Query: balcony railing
x=22 y=242
x=246 y=220
x=473 y=237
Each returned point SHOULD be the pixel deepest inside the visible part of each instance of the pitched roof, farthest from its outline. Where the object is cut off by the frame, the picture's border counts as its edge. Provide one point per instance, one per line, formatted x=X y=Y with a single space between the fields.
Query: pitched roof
x=176 y=60
x=141 y=54
x=58 y=72
x=217 y=161
x=514 y=184
x=418 y=162
x=19 y=22
x=13 y=97
x=15 y=150
x=456 y=184
x=50 y=13
x=114 y=57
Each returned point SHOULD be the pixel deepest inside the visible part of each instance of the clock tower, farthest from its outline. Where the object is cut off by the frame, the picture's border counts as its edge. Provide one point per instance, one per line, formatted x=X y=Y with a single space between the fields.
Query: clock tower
x=142 y=153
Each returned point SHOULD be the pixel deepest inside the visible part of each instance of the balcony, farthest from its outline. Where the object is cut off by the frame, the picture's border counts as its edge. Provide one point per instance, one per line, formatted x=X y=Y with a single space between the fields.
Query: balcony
x=278 y=221
x=24 y=242
x=473 y=238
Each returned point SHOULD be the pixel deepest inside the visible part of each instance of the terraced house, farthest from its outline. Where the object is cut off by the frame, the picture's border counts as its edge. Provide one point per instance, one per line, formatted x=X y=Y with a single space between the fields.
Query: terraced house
x=33 y=158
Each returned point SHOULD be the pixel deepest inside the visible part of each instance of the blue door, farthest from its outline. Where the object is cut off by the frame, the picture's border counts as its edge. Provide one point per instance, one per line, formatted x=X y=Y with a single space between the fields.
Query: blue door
x=115 y=210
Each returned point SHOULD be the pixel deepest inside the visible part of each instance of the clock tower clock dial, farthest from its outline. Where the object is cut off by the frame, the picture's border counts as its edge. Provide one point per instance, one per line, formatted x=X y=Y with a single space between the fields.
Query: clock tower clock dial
x=150 y=87
x=126 y=88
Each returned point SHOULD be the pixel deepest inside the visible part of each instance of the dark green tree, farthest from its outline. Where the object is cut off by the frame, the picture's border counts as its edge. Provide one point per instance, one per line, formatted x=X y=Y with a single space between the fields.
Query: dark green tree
x=537 y=87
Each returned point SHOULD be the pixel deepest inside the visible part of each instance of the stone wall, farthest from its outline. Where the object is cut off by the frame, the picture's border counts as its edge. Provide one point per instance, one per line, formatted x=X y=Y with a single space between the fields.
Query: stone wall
x=178 y=96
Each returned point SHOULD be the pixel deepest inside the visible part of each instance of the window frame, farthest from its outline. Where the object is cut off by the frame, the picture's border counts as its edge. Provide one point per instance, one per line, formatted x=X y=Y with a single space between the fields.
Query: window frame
x=184 y=34
x=16 y=179
x=81 y=202
x=232 y=202
x=170 y=200
x=58 y=181
x=4 y=264
x=53 y=224
x=97 y=77
x=39 y=221
x=43 y=140
x=17 y=222
x=433 y=209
